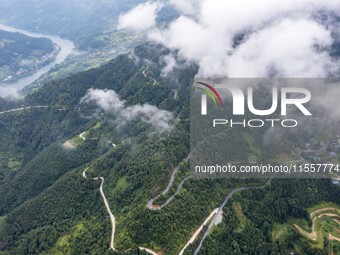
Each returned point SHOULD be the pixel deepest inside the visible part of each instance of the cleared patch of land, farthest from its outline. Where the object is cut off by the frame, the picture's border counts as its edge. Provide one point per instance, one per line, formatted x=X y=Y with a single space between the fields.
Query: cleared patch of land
x=280 y=231
x=240 y=216
x=326 y=209
x=69 y=145
x=239 y=213
x=324 y=220
x=312 y=236
x=333 y=238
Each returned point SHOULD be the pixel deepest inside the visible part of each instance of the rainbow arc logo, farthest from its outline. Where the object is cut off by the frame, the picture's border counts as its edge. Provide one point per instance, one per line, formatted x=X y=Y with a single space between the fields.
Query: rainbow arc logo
x=211 y=92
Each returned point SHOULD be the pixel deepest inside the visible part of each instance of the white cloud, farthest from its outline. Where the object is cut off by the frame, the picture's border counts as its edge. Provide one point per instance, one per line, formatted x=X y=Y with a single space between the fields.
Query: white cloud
x=109 y=101
x=142 y=17
x=281 y=36
x=8 y=91
x=170 y=64
x=326 y=96
x=149 y=114
x=189 y=7
x=284 y=49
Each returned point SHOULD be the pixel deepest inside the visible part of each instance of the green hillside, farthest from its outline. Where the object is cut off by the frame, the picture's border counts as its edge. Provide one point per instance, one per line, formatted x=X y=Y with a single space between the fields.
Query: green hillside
x=49 y=204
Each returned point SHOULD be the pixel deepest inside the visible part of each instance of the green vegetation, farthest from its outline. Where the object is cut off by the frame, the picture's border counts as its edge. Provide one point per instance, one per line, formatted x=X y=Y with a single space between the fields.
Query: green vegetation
x=240 y=216
x=325 y=222
x=270 y=214
x=323 y=205
x=280 y=231
x=47 y=207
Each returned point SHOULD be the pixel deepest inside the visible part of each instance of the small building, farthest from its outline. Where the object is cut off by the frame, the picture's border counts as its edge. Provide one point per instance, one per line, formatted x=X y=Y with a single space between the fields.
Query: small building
x=332 y=154
x=314 y=159
x=336 y=182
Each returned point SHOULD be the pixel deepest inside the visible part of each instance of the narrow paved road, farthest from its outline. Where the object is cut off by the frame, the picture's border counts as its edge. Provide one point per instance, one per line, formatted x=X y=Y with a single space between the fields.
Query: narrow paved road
x=111 y=143
x=24 y=108
x=150 y=204
x=175 y=94
x=214 y=217
x=82 y=136
x=177 y=191
x=84 y=172
x=154 y=81
x=220 y=210
x=148 y=250
x=198 y=231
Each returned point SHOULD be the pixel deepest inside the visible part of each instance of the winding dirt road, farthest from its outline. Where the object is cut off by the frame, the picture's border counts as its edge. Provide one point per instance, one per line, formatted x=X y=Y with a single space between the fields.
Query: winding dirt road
x=112 y=217
x=313 y=235
x=330 y=212
x=325 y=209
x=333 y=238
x=148 y=250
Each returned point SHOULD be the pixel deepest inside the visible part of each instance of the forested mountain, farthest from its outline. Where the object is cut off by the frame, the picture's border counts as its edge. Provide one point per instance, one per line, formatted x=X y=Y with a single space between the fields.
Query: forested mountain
x=123 y=122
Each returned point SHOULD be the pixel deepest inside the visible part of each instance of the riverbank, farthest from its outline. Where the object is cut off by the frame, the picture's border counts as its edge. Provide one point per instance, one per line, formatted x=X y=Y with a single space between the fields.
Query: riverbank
x=66 y=47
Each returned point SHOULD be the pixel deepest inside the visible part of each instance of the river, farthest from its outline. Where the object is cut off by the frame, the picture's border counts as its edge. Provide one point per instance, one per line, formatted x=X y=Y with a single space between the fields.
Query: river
x=66 y=48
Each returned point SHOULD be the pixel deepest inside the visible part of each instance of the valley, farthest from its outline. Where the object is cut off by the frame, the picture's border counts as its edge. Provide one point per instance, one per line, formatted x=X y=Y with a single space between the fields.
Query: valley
x=65 y=48
x=325 y=224
x=22 y=55
x=146 y=196
x=99 y=129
